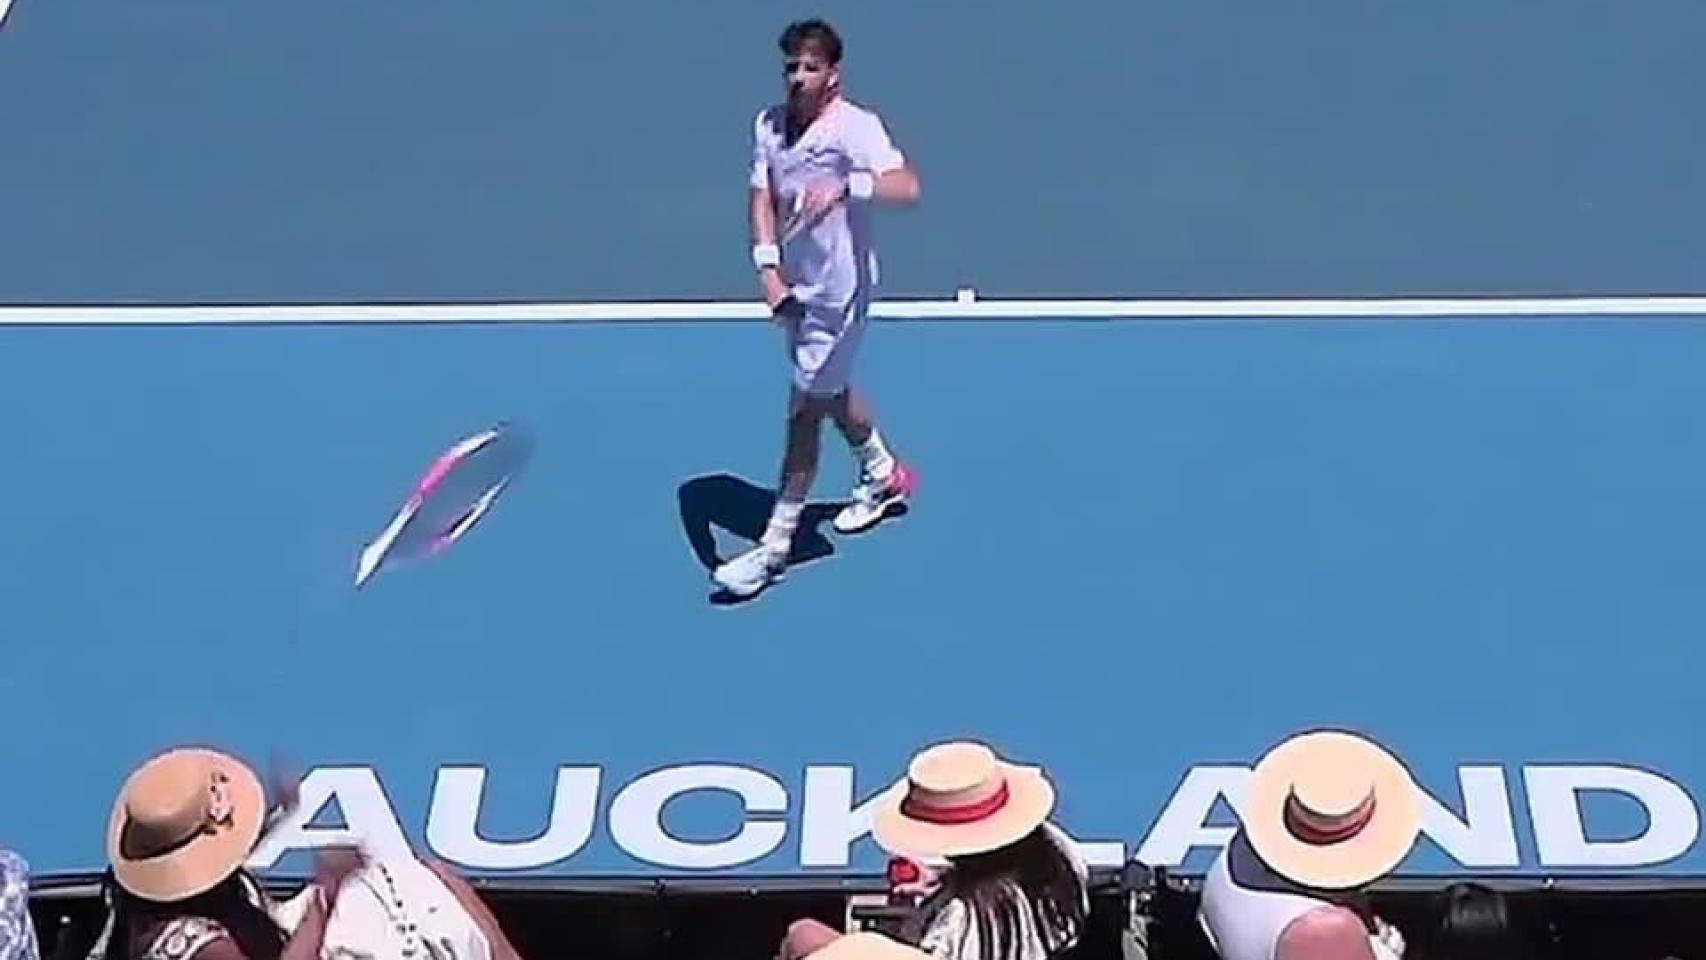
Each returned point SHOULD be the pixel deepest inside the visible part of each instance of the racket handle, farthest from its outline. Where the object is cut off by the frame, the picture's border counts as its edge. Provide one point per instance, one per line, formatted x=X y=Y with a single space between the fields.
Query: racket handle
x=788 y=308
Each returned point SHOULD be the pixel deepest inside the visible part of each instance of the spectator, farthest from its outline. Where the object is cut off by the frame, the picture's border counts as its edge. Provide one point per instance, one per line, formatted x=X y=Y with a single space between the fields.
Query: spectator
x=1011 y=886
x=179 y=833
x=17 y=930
x=1474 y=924
x=182 y=828
x=1325 y=815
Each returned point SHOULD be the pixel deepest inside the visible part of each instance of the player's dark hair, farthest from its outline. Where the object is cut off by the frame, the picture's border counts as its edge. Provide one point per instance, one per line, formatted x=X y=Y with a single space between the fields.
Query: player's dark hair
x=813 y=33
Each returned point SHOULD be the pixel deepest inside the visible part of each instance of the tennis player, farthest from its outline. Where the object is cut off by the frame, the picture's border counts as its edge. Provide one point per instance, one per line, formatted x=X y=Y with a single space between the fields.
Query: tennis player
x=819 y=162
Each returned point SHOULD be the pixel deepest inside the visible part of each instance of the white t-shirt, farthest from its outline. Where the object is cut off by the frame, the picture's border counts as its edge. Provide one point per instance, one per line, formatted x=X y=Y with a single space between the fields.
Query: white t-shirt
x=1245 y=908
x=396 y=908
x=834 y=259
x=1243 y=923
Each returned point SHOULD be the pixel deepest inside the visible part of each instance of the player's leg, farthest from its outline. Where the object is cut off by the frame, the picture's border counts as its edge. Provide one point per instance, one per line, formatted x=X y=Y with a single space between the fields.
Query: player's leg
x=884 y=481
x=799 y=472
x=813 y=346
x=764 y=564
x=852 y=414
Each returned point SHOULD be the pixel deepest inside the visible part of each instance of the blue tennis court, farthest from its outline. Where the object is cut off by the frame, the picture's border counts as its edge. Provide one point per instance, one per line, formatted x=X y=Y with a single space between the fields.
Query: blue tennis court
x=1483 y=536
x=1146 y=547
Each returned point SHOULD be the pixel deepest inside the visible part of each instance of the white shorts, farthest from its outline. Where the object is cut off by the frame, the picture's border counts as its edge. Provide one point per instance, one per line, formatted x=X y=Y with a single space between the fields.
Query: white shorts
x=824 y=345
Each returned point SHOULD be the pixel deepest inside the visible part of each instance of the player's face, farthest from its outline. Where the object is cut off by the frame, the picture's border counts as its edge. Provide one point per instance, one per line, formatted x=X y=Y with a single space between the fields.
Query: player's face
x=810 y=78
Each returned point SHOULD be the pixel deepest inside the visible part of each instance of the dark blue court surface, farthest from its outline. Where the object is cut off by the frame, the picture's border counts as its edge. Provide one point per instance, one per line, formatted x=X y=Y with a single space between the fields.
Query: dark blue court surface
x=1139 y=548
x=185 y=151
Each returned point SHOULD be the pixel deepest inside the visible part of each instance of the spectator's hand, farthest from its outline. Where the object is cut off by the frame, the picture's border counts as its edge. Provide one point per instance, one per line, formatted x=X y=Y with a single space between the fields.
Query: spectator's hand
x=284 y=784
x=910 y=878
x=333 y=866
x=1389 y=937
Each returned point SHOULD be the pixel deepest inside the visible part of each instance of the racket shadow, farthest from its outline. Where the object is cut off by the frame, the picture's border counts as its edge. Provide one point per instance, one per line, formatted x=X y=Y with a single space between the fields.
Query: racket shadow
x=742 y=508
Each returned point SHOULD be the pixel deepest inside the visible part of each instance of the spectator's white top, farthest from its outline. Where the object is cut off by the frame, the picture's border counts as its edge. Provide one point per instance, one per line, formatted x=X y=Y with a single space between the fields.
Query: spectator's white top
x=1242 y=923
x=17 y=930
x=834 y=259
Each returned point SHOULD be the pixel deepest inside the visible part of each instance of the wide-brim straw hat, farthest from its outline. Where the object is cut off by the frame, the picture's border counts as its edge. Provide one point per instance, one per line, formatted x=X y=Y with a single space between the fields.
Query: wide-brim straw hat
x=959 y=799
x=184 y=821
x=1331 y=810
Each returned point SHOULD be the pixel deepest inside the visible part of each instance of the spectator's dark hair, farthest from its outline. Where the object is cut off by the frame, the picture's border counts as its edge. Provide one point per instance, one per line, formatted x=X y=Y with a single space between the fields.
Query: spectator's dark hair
x=1034 y=874
x=227 y=904
x=813 y=33
x=1474 y=924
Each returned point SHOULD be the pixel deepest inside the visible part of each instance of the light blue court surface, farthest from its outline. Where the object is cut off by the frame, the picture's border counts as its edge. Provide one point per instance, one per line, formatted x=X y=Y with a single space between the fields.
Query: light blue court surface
x=1141 y=548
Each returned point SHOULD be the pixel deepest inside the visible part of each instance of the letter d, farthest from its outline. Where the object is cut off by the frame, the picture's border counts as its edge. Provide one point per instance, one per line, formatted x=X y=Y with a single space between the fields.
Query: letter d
x=1554 y=803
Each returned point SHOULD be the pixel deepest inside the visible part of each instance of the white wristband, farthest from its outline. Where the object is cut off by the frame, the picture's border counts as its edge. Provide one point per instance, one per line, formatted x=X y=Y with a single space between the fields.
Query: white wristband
x=860 y=185
x=766 y=255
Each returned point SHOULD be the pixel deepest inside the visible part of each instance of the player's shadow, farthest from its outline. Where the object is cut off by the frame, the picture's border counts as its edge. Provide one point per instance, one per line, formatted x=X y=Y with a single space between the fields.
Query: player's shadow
x=742 y=508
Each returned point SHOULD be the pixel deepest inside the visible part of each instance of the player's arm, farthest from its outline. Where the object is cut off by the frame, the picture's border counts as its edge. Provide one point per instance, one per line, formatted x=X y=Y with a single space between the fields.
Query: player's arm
x=881 y=172
x=761 y=220
x=899 y=186
x=766 y=254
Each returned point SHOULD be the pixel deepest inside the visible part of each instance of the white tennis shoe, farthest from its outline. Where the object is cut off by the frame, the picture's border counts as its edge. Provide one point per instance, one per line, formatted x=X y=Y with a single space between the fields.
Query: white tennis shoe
x=748 y=574
x=876 y=500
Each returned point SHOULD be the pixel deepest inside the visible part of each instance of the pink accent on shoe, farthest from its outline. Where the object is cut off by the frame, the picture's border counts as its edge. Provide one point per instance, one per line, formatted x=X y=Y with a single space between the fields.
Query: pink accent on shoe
x=903 y=480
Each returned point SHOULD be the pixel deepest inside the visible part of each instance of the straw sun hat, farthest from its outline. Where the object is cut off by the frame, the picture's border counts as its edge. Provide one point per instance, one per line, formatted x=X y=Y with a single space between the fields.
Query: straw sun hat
x=1331 y=810
x=184 y=821
x=958 y=799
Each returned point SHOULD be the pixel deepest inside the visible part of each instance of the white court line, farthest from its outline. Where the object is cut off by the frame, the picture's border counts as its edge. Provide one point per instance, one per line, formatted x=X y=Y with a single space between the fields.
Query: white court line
x=963 y=307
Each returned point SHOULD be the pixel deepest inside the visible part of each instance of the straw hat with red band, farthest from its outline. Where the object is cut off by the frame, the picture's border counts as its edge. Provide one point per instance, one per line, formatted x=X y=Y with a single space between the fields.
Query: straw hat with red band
x=959 y=799
x=1331 y=810
x=184 y=821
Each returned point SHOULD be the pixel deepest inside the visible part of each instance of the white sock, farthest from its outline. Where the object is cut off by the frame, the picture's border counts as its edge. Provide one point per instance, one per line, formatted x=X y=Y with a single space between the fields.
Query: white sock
x=874 y=457
x=784 y=519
